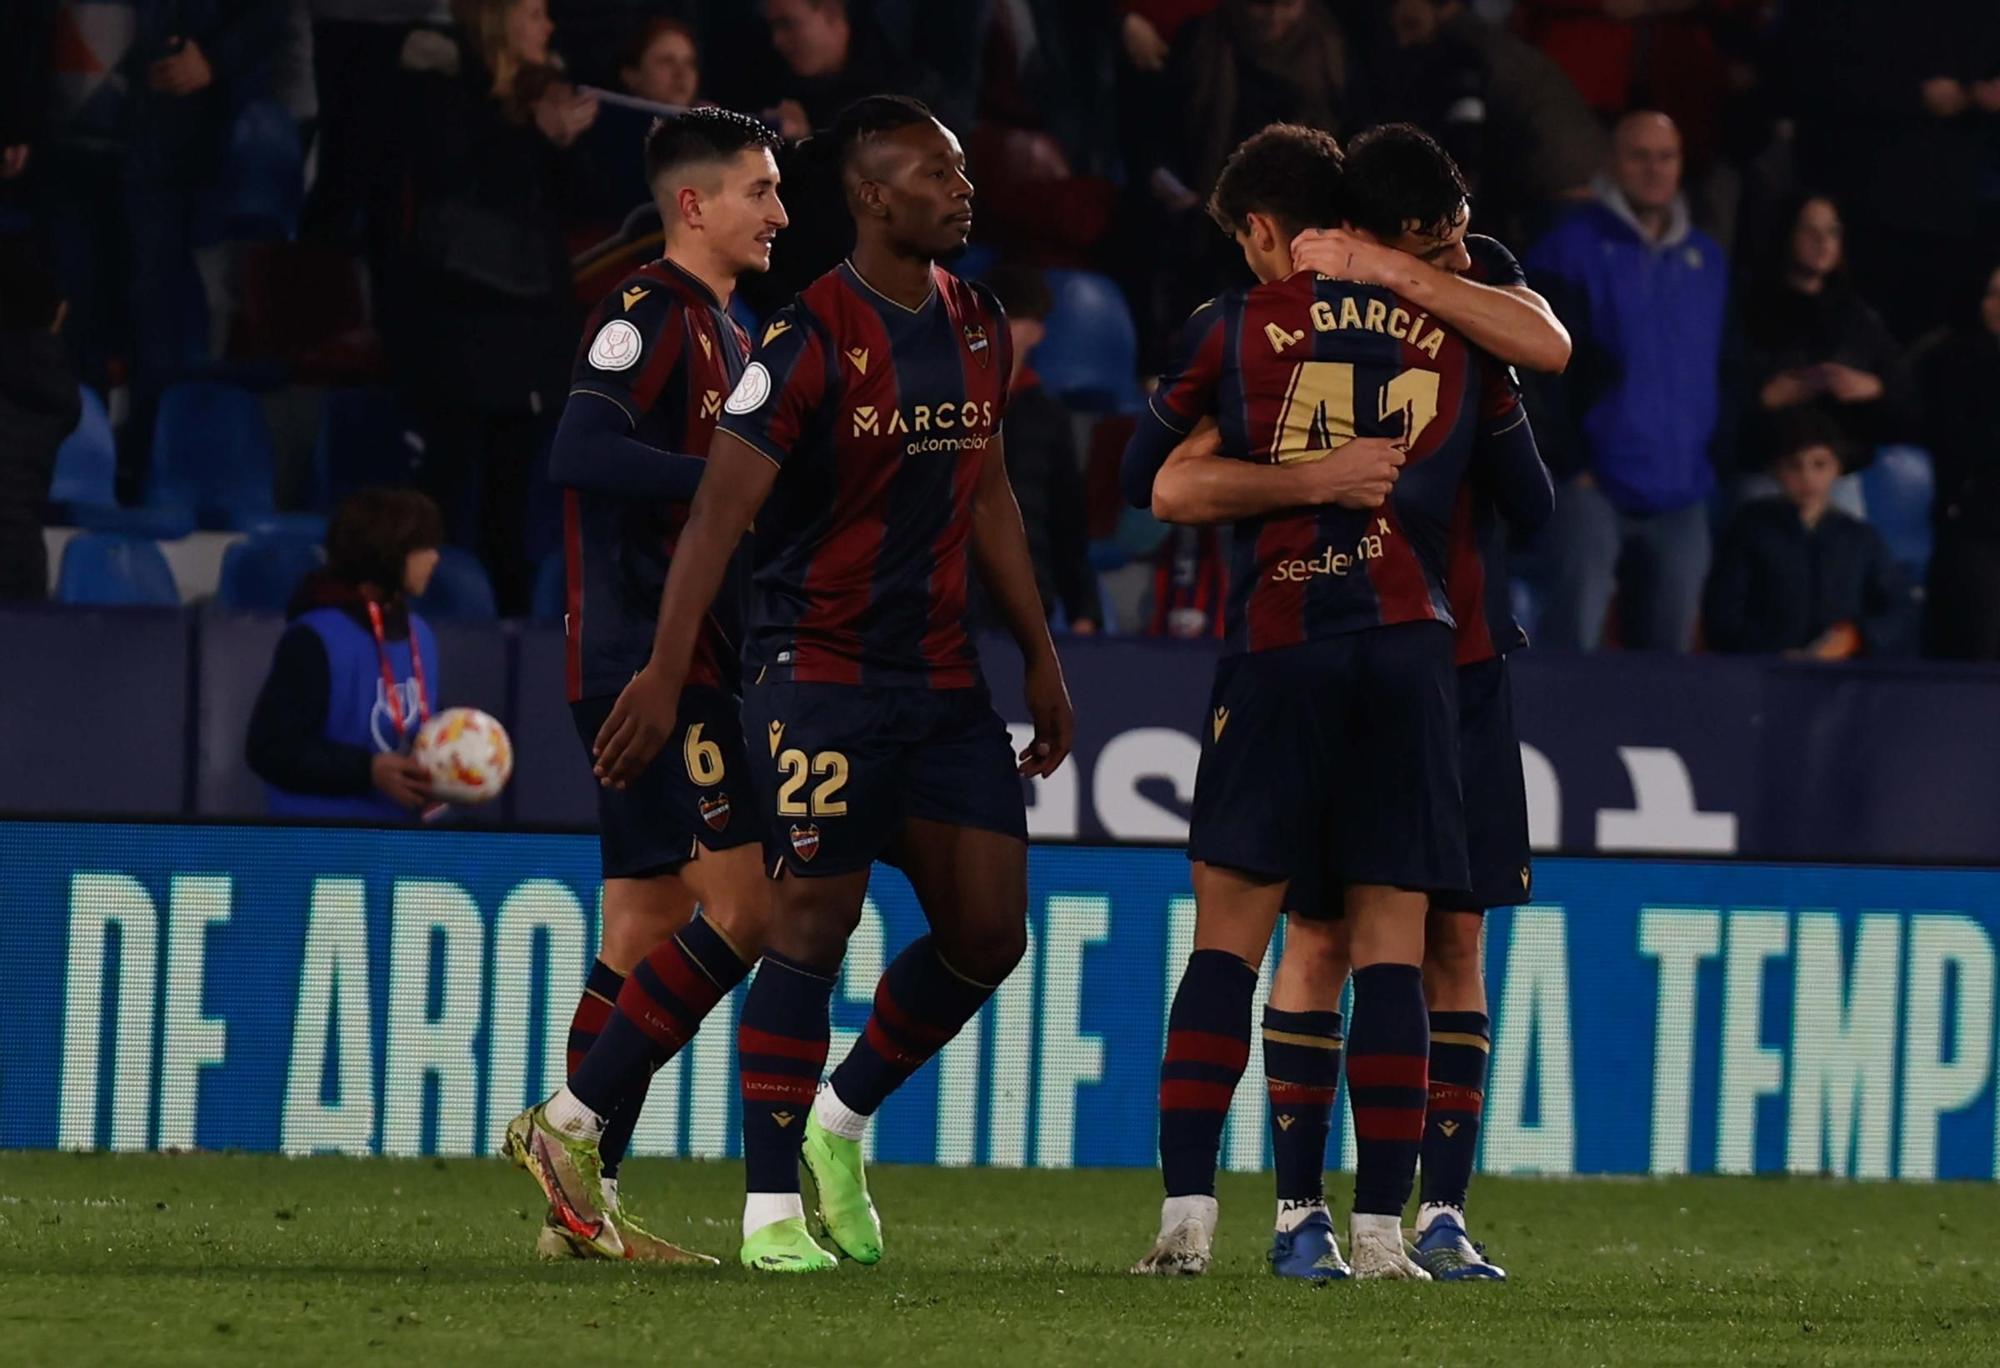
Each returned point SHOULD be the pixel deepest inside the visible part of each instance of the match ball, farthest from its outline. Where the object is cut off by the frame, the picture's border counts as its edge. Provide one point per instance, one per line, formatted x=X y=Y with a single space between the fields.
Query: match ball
x=467 y=754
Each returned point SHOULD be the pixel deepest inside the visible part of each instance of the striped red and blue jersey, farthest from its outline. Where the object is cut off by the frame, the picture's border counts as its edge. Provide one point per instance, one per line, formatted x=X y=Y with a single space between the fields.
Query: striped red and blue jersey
x=1481 y=597
x=660 y=347
x=880 y=419
x=1292 y=370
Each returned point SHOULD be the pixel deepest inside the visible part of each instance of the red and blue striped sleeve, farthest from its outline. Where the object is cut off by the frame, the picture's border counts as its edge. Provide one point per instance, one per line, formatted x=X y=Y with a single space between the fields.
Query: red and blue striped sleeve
x=782 y=387
x=1187 y=392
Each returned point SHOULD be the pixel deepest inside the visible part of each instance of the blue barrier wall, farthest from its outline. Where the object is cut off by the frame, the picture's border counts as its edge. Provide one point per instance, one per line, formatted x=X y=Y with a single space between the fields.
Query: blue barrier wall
x=1711 y=756
x=405 y=992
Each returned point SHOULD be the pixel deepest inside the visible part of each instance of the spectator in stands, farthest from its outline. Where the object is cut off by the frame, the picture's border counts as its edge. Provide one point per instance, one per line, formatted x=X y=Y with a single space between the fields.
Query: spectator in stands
x=1959 y=379
x=1629 y=427
x=1042 y=463
x=608 y=197
x=832 y=59
x=356 y=672
x=1813 y=343
x=1252 y=63
x=1655 y=54
x=1890 y=117
x=355 y=48
x=38 y=408
x=663 y=64
x=1795 y=575
x=1511 y=117
x=147 y=95
x=477 y=314
x=1231 y=72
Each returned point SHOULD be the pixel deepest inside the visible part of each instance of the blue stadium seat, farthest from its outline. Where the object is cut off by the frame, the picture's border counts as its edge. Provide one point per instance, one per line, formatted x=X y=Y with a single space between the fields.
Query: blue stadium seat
x=212 y=453
x=1899 y=488
x=460 y=590
x=87 y=461
x=362 y=441
x=1090 y=358
x=166 y=523
x=105 y=569
x=550 y=588
x=745 y=316
x=260 y=573
x=305 y=527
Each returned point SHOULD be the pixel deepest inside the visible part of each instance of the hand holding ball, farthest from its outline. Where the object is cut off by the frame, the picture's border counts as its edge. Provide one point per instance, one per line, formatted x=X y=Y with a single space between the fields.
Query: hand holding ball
x=467 y=754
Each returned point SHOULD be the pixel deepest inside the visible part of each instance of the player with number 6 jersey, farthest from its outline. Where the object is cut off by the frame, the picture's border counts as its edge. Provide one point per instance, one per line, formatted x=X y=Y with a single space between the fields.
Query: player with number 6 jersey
x=658 y=358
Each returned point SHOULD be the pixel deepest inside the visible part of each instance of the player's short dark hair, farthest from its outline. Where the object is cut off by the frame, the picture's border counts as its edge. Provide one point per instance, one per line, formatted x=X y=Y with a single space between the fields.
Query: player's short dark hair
x=703 y=135
x=1023 y=291
x=1397 y=175
x=373 y=532
x=868 y=118
x=1289 y=171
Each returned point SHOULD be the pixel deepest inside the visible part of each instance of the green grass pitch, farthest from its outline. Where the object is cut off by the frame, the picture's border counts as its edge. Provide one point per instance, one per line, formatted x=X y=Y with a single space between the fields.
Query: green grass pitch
x=136 y=1259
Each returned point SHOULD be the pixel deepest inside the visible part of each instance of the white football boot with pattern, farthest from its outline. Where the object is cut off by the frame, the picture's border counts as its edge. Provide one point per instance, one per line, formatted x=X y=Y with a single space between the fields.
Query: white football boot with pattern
x=1375 y=1249
x=1187 y=1233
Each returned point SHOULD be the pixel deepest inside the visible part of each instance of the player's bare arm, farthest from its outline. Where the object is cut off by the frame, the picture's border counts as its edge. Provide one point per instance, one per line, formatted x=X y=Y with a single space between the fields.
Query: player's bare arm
x=737 y=481
x=1511 y=322
x=1000 y=550
x=1195 y=486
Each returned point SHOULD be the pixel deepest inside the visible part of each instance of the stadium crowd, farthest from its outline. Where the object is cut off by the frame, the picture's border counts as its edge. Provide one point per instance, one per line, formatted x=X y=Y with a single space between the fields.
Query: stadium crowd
x=290 y=248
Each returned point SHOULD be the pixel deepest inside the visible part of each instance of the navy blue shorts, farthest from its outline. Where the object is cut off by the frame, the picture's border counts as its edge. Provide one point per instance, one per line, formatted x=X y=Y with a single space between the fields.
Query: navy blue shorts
x=1496 y=806
x=1339 y=754
x=840 y=767
x=696 y=792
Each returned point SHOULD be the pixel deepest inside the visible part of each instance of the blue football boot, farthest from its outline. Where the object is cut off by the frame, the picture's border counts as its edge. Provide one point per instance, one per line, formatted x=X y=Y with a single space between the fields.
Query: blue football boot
x=1449 y=1255
x=1308 y=1251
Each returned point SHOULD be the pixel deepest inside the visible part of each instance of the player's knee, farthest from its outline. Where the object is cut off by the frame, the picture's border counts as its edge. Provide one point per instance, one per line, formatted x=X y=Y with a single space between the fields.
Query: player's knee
x=986 y=953
x=1452 y=956
x=638 y=915
x=812 y=921
x=1317 y=949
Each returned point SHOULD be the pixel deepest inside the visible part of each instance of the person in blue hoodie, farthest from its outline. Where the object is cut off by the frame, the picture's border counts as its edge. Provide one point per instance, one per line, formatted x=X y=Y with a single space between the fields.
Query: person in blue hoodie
x=1632 y=423
x=356 y=672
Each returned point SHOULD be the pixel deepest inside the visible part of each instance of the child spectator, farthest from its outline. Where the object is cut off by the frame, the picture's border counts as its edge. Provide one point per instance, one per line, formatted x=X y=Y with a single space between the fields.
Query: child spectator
x=1798 y=576
x=355 y=673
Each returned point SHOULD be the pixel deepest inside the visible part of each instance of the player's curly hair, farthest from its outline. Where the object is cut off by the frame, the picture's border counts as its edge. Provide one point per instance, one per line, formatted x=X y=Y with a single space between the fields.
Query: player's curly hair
x=707 y=134
x=1398 y=175
x=1289 y=171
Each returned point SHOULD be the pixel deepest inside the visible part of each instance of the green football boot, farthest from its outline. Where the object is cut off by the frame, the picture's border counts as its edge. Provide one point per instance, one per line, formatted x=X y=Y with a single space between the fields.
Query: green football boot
x=786 y=1247
x=571 y=1177
x=844 y=1205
